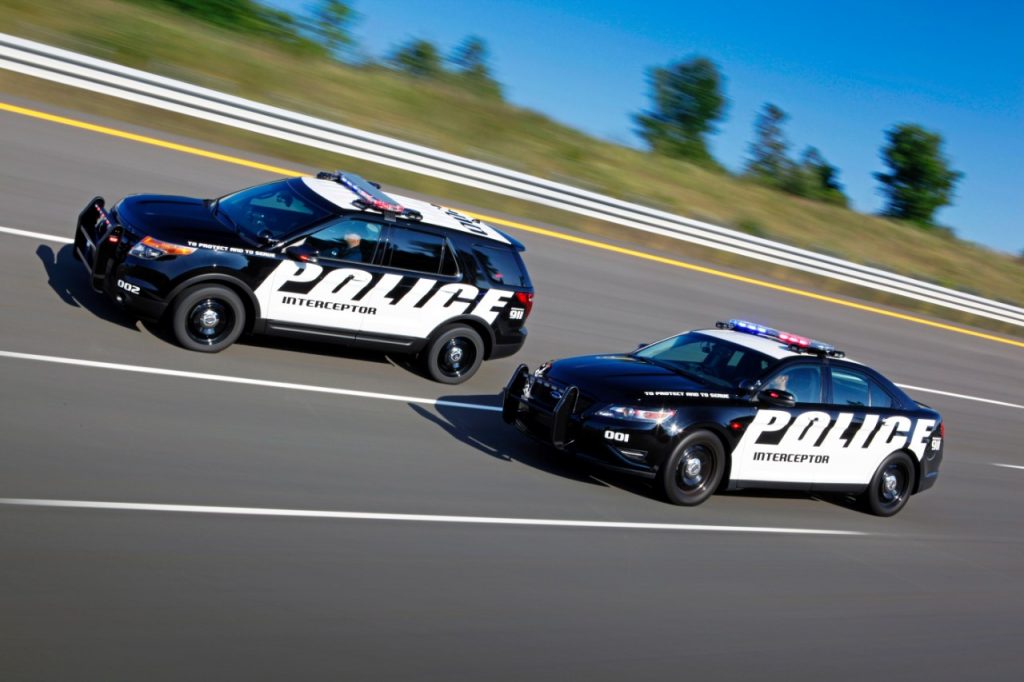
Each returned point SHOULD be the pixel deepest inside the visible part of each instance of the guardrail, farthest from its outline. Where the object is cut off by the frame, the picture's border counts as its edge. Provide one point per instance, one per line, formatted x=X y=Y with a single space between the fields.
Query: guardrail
x=107 y=78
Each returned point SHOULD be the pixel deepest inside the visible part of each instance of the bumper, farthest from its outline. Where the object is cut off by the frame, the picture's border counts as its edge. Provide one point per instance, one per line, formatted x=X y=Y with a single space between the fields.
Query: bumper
x=929 y=469
x=508 y=344
x=101 y=246
x=636 y=449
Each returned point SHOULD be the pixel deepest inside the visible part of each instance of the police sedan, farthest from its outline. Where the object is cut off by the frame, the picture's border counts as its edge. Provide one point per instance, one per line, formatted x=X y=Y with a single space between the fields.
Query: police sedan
x=738 y=406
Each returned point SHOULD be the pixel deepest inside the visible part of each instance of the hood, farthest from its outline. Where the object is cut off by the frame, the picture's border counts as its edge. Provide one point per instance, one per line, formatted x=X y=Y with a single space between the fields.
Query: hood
x=619 y=377
x=176 y=219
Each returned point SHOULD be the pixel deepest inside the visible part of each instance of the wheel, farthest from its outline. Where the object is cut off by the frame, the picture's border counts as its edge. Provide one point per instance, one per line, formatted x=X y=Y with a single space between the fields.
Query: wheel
x=890 y=487
x=694 y=469
x=207 y=318
x=454 y=355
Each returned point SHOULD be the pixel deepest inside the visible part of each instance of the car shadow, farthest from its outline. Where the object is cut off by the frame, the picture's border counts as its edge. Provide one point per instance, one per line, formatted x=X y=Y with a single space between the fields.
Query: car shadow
x=68 y=279
x=467 y=419
x=326 y=349
x=844 y=500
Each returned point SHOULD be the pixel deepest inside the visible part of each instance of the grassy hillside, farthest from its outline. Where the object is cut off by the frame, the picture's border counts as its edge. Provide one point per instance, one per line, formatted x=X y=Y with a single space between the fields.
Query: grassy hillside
x=452 y=119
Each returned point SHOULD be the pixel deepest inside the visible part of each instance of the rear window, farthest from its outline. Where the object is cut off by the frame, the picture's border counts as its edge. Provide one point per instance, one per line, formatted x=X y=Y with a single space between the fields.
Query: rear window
x=502 y=266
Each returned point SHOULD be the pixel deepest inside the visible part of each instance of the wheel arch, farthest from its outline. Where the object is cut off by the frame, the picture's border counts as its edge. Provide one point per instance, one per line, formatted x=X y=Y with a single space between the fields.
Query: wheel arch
x=252 y=306
x=916 y=486
x=475 y=323
x=719 y=432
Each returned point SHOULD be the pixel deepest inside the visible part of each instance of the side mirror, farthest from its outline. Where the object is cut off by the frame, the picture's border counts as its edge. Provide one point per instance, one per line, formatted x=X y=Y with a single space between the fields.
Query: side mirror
x=776 y=397
x=303 y=253
x=642 y=345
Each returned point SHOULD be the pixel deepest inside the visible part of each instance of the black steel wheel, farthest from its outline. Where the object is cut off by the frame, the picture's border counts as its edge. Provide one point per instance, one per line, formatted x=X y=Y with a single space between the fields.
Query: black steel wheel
x=454 y=355
x=891 y=486
x=694 y=469
x=207 y=318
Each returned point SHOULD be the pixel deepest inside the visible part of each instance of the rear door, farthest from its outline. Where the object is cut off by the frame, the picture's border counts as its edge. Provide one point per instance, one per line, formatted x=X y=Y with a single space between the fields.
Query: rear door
x=868 y=425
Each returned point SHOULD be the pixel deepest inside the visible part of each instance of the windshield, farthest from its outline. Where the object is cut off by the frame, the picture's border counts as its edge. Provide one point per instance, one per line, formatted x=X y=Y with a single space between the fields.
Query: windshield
x=709 y=360
x=269 y=212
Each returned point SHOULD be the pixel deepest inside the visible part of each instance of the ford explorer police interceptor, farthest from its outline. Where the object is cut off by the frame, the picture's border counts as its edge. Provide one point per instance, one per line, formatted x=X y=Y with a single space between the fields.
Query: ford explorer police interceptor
x=330 y=258
x=738 y=406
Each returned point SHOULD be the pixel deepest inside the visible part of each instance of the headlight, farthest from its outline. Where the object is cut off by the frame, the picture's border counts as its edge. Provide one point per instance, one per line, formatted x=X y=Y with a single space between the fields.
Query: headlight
x=151 y=249
x=636 y=414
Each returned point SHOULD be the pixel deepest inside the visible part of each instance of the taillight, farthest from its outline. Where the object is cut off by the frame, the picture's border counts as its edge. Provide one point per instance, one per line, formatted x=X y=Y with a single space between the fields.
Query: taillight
x=942 y=430
x=526 y=300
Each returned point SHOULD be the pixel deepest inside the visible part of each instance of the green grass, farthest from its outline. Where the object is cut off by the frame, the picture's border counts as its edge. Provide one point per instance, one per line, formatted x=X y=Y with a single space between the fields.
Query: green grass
x=448 y=118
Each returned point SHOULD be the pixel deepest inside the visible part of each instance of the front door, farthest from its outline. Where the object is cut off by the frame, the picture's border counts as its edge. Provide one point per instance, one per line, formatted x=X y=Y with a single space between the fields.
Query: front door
x=326 y=295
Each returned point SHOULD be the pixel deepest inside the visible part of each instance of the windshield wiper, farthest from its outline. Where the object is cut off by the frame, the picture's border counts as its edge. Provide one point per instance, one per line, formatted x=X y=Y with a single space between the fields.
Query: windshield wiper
x=673 y=368
x=227 y=217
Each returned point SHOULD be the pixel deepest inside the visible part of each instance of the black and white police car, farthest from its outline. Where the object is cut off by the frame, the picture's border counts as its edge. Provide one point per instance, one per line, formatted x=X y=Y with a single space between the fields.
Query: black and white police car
x=330 y=258
x=737 y=406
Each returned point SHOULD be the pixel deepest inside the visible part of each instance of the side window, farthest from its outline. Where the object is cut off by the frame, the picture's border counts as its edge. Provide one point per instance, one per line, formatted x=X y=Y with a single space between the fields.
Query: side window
x=880 y=397
x=850 y=387
x=347 y=240
x=419 y=251
x=803 y=381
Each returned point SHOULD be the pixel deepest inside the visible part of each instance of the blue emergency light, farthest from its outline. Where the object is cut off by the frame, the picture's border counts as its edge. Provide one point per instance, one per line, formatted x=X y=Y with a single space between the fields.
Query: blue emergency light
x=793 y=341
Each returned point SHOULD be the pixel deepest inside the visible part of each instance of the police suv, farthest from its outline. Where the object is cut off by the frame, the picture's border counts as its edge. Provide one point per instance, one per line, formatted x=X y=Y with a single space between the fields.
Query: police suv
x=330 y=258
x=738 y=406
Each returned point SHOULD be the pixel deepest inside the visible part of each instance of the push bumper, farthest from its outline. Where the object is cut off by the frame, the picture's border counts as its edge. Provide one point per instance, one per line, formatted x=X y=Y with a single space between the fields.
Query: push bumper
x=565 y=427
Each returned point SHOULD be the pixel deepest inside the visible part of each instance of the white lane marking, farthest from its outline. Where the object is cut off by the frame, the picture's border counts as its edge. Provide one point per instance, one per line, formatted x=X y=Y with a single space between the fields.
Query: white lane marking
x=422 y=518
x=961 y=396
x=242 y=380
x=1007 y=466
x=36 y=235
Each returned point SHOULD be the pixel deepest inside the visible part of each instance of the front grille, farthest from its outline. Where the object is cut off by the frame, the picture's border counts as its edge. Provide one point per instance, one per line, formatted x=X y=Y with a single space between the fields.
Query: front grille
x=545 y=393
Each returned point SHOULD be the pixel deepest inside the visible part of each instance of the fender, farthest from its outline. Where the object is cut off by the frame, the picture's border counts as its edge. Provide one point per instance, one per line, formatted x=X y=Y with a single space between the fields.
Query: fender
x=479 y=325
x=223 y=278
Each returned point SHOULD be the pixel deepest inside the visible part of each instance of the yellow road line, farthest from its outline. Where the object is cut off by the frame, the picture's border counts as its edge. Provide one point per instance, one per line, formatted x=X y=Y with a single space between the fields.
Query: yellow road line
x=147 y=140
x=196 y=151
x=740 y=278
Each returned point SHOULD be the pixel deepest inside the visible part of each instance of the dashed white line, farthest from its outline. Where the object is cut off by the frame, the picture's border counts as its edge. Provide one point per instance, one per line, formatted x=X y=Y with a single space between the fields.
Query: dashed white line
x=1008 y=466
x=246 y=381
x=36 y=235
x=416 y=518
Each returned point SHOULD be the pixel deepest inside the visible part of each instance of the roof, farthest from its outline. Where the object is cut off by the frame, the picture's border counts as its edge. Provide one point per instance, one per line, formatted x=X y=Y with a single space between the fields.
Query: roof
x=342 y=197
x=762 y=344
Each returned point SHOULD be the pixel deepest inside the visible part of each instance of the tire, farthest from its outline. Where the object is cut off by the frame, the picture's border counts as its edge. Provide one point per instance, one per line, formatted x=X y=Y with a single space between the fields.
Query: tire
x=207 y=318
x=891 y=485
x=694 y=470
x=454 y=355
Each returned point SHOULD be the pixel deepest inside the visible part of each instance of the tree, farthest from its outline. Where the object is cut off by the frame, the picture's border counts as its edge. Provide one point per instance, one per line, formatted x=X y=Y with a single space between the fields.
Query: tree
x=687 y=100
x=470 y=60
x=332 y=24
x=769 y=160
x=419 y=58
x=815 y=178
x=919 y=181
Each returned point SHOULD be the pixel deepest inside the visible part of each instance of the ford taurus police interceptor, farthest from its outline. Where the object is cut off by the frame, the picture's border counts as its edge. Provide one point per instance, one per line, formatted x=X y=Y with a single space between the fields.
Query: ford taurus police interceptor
x=330 y=258
x=737 y=406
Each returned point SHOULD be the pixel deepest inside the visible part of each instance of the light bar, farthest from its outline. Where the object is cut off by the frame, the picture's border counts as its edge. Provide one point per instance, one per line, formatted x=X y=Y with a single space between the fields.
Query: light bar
x=795 y=341
x=369 y=194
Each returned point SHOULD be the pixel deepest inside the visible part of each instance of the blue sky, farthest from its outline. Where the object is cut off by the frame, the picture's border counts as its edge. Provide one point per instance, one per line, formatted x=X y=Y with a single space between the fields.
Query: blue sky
x=844 y=72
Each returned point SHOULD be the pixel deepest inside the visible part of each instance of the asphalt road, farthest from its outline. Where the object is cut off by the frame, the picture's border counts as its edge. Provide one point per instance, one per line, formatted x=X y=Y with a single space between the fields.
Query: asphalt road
x=128 y=594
